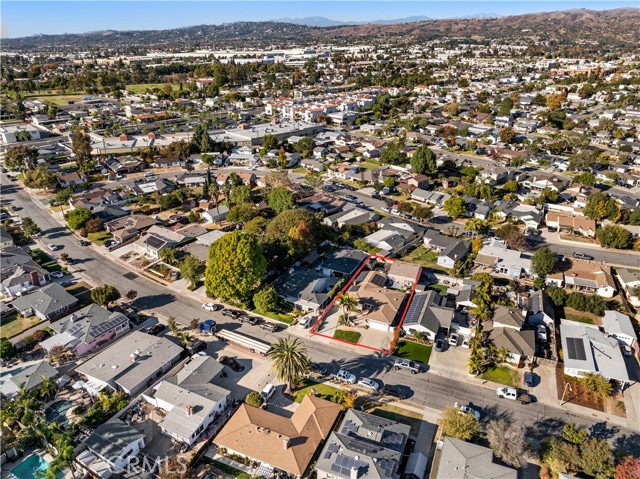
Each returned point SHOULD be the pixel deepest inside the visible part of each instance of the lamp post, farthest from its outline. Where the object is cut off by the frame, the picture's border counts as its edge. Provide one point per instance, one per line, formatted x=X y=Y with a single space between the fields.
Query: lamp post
x=567 y=385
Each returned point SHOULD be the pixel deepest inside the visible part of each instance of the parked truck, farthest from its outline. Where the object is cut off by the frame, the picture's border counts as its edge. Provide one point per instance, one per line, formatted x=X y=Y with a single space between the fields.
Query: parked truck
x=514 y=394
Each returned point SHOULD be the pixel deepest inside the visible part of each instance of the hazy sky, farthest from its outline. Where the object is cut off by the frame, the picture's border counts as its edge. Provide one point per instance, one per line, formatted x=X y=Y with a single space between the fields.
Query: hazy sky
x=24 y=17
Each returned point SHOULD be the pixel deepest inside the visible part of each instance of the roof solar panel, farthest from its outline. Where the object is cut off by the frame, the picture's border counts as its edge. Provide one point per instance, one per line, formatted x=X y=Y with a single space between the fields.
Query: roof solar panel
x=575 y=348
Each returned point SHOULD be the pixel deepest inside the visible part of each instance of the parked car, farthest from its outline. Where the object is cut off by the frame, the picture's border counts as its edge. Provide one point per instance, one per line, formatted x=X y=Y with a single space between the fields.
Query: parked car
x=345 y=377
x=66 y=284
x=231 y=362
x=468 y=410
x=541 y=333
x=267 y=392
x=84 y=243
x=453 y=339
x=321 y=369
x=514 y=395
x=528 y=379
x=196 y=346
x=579 y=255
x=250 y=320
x=465 y=342
x=439 y=345
x=232 y=313
x=211 y=306
x=53 y=247
x=370 y=384
x=306 y=322
x=626 y=350
x=396 y=390
x=406 y=364
x=272 y=328
x=57 y=274
x=155 y=329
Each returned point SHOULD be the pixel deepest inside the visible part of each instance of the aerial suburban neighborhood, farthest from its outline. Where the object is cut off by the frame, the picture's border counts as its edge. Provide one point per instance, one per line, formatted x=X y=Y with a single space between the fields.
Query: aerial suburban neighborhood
x=327 y=249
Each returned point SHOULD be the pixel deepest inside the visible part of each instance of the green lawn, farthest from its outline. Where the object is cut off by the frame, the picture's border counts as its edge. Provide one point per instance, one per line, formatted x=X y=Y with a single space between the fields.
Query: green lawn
x=142 y=87
x=283 y=318
x=579 y=318
x=425 y=258
x=232 y=471
x=58 y=99
x=44 y=260
x=502 y=375
x=12 y=325
x=414 y=351
x=99 y=238
x=351 y=336
x=440 y=288
x=368 y=165
x=323 y=391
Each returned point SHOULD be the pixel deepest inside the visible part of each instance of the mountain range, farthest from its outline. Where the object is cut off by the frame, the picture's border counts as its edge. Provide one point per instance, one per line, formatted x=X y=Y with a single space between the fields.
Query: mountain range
x=327 y=22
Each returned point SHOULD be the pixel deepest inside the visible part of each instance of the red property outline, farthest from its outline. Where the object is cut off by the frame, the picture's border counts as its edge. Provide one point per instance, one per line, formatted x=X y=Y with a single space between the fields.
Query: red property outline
x=314 y=328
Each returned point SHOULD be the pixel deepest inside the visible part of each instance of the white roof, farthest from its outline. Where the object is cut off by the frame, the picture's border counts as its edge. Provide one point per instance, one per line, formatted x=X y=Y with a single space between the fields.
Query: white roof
x=617 y=323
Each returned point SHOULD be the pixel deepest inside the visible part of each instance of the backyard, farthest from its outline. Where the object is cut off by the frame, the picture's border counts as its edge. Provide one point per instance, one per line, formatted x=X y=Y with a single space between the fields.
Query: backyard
x=229 y=470
x=502 y=375
x=414 y=351
x=425 y=258
x=580 y=316
x=345 y=335
x=323 y=391
x=12 y=325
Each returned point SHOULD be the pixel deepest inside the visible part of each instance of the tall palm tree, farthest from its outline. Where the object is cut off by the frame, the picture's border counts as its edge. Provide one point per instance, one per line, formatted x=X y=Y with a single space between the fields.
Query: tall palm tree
x=185 y=338
x=169 y=255
x=473 y=225
x=348 y=304
x=289 y=361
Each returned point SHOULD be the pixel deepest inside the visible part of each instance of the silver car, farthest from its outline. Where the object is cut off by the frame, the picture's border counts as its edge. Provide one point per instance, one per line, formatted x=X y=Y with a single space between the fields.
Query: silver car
x=370 y=384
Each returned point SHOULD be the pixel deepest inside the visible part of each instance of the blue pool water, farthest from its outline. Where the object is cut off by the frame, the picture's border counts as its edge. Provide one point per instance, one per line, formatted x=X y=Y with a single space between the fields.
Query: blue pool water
x=31 y=467
x=57 y=412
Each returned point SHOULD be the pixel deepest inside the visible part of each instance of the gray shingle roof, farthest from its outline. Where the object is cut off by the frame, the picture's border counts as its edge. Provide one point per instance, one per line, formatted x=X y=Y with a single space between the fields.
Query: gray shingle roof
x=111 y=438
x=464 y=460
x=46 y=300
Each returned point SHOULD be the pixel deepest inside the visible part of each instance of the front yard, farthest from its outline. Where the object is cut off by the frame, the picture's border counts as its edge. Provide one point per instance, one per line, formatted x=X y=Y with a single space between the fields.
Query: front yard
x=99 y=238
x=345 y=335
x=414 y=351
x=502 y=375
x=44 y=260
x=323 y=391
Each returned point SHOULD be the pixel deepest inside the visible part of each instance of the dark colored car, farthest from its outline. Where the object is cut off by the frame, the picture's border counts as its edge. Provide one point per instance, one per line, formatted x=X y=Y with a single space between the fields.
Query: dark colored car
x=251 y=320
x=396 y=390
x=155 y=329
x=196 y=346
x=84 y=243
x=272 y=328
x=528 y=379
x=232 y=313
x=320 y=368
x=440 y=345
x=232 y=363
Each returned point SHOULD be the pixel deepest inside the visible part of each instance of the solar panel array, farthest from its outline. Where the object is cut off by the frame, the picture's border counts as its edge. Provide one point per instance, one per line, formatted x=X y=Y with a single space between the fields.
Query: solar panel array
x=393 y=440
x=415 y=309
x=331 y=449
x=343 y=465
x=575 y=349
x=349 y=427
x=387 y=467
x=378 y=422
x=362 y=446
x=108 y=325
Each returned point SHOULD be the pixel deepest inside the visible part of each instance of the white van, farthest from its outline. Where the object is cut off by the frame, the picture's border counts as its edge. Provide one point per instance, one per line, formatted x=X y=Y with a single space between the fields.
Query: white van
x=267 y=392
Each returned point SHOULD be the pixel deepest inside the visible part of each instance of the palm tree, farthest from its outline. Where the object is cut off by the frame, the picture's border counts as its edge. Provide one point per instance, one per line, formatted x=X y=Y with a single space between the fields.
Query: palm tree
x=348 y=304
x=169 y=255
x=475 y=225
x=185 y=338
x=48 y=388
x=289 y=361
x=214 y=192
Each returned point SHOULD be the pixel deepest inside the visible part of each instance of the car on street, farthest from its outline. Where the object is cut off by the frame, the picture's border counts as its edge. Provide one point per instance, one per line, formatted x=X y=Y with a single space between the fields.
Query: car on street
x=453 y=339
x=211 y=307
x=579 y=255
x=232 y=313
x=528 y=379
x=345 y=376
x=514 y=395
x=541 y=333
x=155 y=329
x=468 y=410
x=250 y=320
x=439 y=345
x=57 y=274
x=319 y=368
x=396 y=390
x=84 y=243
x=626 y=350
x=53 y=247
x=406 y=364
x=369 y=384
x=272 y=328
x=231 y=362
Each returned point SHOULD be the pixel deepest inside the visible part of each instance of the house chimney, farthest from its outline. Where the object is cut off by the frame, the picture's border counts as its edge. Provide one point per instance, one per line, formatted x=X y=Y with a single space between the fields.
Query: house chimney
x=285 y=443
x=189 y=410
x=35 y=279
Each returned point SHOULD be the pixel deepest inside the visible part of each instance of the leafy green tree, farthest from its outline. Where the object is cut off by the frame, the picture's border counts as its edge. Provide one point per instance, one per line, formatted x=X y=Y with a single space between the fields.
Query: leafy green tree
x=423 y=161
x=304 y=146
x=192 y=269
x=586 y=178
x=613 y=236
x=596 y=458
x=507 y=441
x=459 y=425
x=240 y=194
x=560 y=456
x=512 y=235
x=455 y=207
x=103 y=295
x=505 y=106
x=242 y=213
x=169 y=201
x=574 y=434
x=348 y=304
x=289 y=361
x=280 y=199
x=422 y=212
x=598 y=384
x=172 y=324
x=507 y=135
x=510 y=186
x=21 y=157
x=256 y=226
x=543 y=261
x=40 y=178
x=29 y=227
x=600 y=206
x=314 y=180
x=169 y=255
x=7 y=350
x=297 y=230
x=362 y=245
x=266 y=299
x=269 y=142
x=78 y=218
x=254 y=399
x=81 y=146
x=557 y=295
x=236 y=265
x=389 y=182
x=392 y=154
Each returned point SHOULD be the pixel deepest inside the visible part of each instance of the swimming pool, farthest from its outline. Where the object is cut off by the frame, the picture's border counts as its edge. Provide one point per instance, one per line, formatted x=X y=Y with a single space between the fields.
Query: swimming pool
x=57 y=412
x=31 y=467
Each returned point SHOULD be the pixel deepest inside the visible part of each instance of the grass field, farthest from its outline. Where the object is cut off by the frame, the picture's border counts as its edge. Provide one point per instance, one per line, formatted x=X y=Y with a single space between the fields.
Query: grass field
x=323 y=391
x=440 y=288
x=12 y=325
x=502 y=375
x=231 y=471
x=58 y=99
x=425 y=258
x=580 y=316
x=414 y=351
x=351 y=336
x=99 y=238
x=283 y=318
x=142 y=87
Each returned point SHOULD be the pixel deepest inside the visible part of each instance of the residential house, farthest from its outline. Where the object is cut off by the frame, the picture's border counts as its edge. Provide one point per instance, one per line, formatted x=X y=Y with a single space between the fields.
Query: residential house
x=190 y=398
x=403 y=275
x=630 y=283
x=586 y=349
x=351 y=216
x=322 y=203
x=19 y=273
x=109 y=448
x=419 y=181
x=192 y=179
x=364 y=446
x=504 y=261
x=313 y=164
x=456 y=251
x=540 y=307
x=95 y=198
x=528 y=214
x=343 y=263
x=169 y=162
x=287 y=444
x=125 y=228
x=380 y=306
x=160 y=185
x=215 y=214
x=6 y=240
x=157 y=239
x=579 y=194
x=48 y=303
x=619 y=326
x=539 y=181
x=130 y=365
x=590 y=277
x=305 y=289
x=25 y=376
x=465 y=460
x=428 y=314
x=71 y=178
x=506 y=332
x=87 y=329
x=571 y=224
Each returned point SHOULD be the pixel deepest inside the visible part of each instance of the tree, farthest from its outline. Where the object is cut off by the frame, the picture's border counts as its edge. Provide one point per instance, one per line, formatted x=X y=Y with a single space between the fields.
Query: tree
x=235 y=266
x=297 y=230
x=242 y=213
x=422 y=212
x=29 y=227
x=475 y=225
x=543 y=261
x=192 y=269
x=423 y=161
x=613 y=236
x=389 y=182
x=512 y=235
x=169 y=255
x=280 y=199
x=460 y=425
x=269 y=142
x=185 y=338
x=392 y=154
x=557 y=295
x=48 y=387
x=507 y=441
x=131 y=295
x=600 y=206
x=455 y=207
x=81 y=146
x=507 y=135
x=289 y=361
x=348 y=304
x=94 y=225
x=304 y=146
x=172 y=324
x=573 y=434
x=560 y=456
x=105 y=294
x=240 y=194
x=7 y=349
x=314 y=180
x=554 y=102
x=21 y=157
x=586 y=178
x=510 y=186
x=266 y=299
x=597 y=458
x=505 y=106
x=40 y=178
x=254 y=399
x=629 y=468
x=598 y=384
x=78 y=218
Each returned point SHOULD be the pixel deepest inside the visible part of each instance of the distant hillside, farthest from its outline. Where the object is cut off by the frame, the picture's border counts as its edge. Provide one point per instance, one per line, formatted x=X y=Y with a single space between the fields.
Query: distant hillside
x=327 y=22
x=617 y=27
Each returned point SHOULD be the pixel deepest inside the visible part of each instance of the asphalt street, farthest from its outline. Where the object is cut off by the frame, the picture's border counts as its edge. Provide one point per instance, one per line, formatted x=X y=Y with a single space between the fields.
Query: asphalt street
x=429 y=389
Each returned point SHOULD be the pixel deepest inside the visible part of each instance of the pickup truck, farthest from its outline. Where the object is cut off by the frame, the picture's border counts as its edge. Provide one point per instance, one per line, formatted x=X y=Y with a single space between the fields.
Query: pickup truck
x=514 y=395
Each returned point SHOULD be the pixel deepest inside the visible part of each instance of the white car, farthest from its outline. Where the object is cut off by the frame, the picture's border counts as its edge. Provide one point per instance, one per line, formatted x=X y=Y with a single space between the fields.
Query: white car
x=53 y=247
x=370 y=384
x=453 y=339
x=541 y=331
x=345 y=377
x=57 y=274
x=306 y=322
x=210 y=306
x=469 y=410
